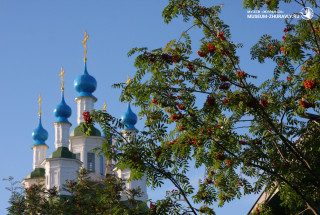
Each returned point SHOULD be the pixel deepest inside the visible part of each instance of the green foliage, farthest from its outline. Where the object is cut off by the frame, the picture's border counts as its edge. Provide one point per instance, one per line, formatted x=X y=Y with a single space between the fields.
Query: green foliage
x=85 y=197
x=207 y=110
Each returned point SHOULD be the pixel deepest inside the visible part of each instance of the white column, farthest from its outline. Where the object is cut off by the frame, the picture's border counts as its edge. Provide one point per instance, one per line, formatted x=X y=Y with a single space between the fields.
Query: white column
x=39 y=154
x=84 y=103
x=62 y=134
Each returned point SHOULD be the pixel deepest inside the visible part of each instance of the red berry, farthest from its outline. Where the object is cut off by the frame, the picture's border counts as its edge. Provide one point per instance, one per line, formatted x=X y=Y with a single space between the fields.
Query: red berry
x=175 y=59
x=305 y=103
x=181 y=107
x=86 y=117
x=181 y=128
x=190 y=66
x=241 y=74
x=224 y=86
x=220 y=156
x=243 y=143
x=288 y=78
x=310 y=84
x=211 y=47
x=210 y=101
x=224 y=78
x=154 y=101
x=229 y=163
x=225 y=101
x=202 y=54
x=220 y=35
x=264 y=103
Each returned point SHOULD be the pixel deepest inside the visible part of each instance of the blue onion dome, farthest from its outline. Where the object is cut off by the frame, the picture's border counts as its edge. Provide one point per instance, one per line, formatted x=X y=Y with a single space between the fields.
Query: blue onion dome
x=129 y=119
x=40 y=135
x=85 y=84
x=62 y=111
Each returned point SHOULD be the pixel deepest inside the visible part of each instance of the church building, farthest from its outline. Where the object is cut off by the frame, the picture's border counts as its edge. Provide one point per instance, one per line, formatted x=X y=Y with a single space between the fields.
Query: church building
x=74 y=150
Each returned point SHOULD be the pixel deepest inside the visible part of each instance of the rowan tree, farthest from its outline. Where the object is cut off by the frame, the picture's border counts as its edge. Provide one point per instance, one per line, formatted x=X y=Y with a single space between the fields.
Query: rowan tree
x=194 y=106
x=85 y=197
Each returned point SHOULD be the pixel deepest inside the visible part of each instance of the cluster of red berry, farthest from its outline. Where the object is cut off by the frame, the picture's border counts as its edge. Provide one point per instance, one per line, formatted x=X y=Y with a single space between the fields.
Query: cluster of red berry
x=305 y=103
x=175 y=117
x=284 y=51
x=202 y=54
x=209 y=181
x=173 y=141
x=220 y=35
x=181 y=128
x=32 y=187
x=310 y=84
x=192 y=141
x=154 y=101
x=181 y=107
x=152 y=207
x=229 y=163
x=86 y=117
x=210 y=101
x=224 y=78
x=175 y=59
x=224 y=86
x=243 y=143
x=225 y=101
x=241 y=74
x=190 y=67
x=211 y=47
x=264 y=103
x=225 y=52
x=286 y=30
x=220 y=156
x=151 y=57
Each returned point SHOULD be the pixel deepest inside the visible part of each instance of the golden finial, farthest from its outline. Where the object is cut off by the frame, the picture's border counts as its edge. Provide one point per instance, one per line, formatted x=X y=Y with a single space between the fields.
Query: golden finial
x=84 y=42
x=128 y=80
x=39 y=101
x=61 y=75
x=104 y=106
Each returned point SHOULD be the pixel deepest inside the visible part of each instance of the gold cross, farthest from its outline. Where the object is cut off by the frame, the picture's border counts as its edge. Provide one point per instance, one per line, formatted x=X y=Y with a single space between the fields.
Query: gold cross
x=39 y=101
x=61 y=75
x=104 y=106
x=84 y=42
x=128 y=80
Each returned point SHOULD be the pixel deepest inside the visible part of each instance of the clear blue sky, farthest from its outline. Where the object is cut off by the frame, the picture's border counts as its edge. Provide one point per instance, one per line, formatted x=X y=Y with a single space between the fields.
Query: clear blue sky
x=38 y=37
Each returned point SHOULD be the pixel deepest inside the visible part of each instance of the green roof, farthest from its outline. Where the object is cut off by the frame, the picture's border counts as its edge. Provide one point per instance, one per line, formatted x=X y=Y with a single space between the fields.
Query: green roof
x=36 y=173
x=81 y=130
x=62 y=152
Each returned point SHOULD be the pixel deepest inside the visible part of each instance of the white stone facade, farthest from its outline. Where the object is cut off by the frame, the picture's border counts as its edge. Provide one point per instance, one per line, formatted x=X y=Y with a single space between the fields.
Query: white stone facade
x=84 y=103
x=59 y=170
x=62 y=134
x=39 y=154
x=81 y=146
